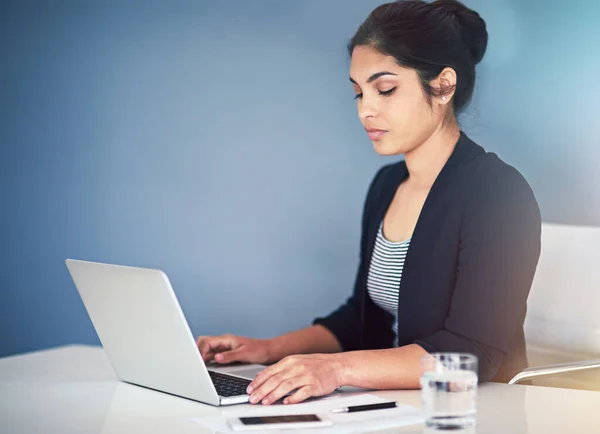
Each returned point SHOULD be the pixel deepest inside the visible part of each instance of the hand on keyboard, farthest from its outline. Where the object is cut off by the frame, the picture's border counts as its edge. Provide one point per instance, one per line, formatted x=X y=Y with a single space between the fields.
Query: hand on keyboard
x=230 y=348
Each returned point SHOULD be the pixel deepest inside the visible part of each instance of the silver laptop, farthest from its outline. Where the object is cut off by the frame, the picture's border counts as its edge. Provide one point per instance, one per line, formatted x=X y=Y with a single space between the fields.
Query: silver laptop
x=146 y=337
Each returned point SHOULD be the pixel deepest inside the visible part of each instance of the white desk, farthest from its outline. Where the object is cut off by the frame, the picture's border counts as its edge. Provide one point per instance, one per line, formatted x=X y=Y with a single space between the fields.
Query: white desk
x=74 y=390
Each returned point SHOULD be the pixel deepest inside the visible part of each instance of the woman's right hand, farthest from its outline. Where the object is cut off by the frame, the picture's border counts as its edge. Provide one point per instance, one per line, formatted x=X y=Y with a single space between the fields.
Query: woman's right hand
x=230 y=348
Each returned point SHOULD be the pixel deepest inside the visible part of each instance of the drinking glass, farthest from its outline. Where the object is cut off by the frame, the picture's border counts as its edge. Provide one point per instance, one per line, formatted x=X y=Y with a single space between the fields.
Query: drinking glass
x=449 y=390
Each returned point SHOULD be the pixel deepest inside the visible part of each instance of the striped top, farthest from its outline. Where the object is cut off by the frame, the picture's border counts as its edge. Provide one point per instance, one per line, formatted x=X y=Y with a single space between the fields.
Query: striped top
x=385 y=273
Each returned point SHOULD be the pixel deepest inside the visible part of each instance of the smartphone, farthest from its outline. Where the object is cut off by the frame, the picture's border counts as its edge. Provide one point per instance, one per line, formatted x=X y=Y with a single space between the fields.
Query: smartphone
x=279 y=422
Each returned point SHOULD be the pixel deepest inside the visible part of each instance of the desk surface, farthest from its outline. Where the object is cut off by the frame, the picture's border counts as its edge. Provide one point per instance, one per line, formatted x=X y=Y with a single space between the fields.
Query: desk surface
x=74 y=390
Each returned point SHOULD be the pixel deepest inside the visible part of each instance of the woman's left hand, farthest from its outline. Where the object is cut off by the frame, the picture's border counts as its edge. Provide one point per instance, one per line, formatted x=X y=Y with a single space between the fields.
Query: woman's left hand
x=310 y=375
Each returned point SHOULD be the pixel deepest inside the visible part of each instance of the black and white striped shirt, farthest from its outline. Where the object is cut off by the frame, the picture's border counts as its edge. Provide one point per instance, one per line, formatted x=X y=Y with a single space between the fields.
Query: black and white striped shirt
x=385 y=273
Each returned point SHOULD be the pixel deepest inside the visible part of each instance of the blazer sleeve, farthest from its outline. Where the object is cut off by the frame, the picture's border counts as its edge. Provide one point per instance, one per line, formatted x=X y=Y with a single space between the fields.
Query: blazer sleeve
x=498 y=254
x=345 y=322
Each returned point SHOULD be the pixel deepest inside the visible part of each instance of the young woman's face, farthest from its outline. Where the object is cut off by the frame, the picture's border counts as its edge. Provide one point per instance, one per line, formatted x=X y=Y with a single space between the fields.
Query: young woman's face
x=392 y=105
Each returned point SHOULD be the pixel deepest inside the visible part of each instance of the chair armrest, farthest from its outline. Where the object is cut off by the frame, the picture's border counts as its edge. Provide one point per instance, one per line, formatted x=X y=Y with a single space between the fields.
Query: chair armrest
x=562 y=368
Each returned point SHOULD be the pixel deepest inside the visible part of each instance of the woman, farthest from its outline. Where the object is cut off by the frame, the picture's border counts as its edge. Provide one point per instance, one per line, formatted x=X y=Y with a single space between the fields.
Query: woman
x=450 y=236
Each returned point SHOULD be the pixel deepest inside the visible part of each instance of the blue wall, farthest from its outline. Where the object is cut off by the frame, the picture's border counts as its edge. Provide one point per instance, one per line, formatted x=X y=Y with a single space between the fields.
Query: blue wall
x=219 y=141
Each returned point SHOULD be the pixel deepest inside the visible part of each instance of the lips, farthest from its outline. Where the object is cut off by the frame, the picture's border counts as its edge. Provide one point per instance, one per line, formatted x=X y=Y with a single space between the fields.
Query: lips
x=375 y=134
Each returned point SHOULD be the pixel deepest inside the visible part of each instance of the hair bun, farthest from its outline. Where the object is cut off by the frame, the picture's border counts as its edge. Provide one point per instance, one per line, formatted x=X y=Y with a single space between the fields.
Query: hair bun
x=473 y=29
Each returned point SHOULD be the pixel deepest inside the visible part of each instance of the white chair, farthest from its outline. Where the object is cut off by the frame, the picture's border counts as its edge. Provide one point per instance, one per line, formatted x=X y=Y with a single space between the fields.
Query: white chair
x=562 y=326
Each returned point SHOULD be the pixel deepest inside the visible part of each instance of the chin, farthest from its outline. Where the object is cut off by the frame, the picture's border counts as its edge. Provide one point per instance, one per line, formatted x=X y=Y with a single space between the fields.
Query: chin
x=386 y=150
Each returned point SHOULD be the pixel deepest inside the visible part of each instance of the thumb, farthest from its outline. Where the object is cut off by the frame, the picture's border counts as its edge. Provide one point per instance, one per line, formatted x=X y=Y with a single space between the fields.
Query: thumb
x=231 y=356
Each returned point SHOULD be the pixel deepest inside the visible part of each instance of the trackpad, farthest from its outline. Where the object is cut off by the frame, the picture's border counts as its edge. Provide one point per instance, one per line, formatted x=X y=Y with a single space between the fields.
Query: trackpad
x=248 y=373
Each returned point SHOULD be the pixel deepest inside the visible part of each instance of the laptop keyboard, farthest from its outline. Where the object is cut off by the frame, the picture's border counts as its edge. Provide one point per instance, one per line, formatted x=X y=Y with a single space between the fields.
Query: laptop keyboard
x=228 y=385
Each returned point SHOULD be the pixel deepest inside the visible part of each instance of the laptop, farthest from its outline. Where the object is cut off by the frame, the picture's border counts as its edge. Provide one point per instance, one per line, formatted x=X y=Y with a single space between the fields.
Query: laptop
x=146 y=337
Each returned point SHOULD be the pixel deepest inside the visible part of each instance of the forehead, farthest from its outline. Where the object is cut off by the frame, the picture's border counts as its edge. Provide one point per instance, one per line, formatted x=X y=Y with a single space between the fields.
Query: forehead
x=367 y=61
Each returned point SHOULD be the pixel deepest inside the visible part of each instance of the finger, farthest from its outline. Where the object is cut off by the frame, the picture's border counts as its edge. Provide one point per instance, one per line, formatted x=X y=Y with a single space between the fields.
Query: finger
x=285 y=387
x=267 y=387
x=300 y=395
x=200 y=341
x=238 y=355
x=211 y=345
x=263 y=376
x=267 y=373
x=205 y=345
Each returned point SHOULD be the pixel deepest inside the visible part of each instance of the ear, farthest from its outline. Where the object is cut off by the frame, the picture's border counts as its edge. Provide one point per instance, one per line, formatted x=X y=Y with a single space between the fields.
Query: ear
x=445 y=86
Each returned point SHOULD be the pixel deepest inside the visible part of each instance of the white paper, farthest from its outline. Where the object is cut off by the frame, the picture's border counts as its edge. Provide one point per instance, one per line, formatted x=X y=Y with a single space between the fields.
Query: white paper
x=344 y=423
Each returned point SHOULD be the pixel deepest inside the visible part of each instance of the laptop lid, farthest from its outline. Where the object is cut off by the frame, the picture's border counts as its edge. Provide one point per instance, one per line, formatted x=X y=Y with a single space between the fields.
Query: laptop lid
x=142 y=328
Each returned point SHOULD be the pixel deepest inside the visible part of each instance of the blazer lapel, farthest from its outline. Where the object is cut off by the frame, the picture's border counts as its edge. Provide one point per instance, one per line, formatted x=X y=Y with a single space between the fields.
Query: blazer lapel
x=464 y=150
x=421 y=243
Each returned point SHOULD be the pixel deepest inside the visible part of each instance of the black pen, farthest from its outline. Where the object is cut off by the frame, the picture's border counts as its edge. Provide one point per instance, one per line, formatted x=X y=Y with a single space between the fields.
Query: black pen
x=367 y=407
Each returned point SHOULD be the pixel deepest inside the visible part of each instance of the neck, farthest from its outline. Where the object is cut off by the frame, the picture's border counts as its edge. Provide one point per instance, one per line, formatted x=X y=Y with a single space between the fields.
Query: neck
x=425 y=162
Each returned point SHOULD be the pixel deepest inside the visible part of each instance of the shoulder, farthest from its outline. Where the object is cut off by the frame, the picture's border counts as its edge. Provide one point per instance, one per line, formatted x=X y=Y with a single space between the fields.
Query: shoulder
x=492 y=186
x=499 y=208
x=488 y=174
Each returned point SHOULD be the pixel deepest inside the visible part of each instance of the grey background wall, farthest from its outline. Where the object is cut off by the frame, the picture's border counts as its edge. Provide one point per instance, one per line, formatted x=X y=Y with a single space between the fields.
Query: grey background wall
x=219 y=141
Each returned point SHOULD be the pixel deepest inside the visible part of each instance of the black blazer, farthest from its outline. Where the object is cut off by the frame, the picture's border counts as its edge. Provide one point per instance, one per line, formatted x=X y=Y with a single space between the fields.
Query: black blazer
x=468 y=270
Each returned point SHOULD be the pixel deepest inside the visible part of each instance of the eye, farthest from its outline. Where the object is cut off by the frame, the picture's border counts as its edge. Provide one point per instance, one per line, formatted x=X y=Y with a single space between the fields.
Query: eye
x=387 y=92
x=381 y=92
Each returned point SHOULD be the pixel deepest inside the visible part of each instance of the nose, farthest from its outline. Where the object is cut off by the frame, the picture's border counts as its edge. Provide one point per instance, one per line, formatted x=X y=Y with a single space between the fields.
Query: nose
x=367 y=108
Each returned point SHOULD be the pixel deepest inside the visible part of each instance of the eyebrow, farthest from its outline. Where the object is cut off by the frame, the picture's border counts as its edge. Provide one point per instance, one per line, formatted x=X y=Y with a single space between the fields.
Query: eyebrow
x=374 y=77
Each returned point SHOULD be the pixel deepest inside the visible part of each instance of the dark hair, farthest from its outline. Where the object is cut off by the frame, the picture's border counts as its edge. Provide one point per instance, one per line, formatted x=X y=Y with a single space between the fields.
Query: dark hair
x=428 y=37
